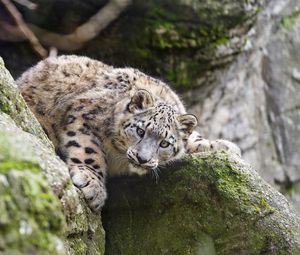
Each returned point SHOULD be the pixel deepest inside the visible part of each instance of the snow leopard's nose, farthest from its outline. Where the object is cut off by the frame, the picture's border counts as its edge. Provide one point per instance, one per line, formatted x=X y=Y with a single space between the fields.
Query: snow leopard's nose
x=141 y=159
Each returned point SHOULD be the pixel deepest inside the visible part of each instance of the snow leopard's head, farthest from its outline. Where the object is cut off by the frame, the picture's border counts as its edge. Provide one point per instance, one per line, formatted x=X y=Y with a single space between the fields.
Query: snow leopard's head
x=151 y=134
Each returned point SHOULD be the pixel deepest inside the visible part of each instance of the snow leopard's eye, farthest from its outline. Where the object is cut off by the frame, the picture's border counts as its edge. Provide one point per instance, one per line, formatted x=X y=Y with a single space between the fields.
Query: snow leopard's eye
x=164 y=144
x=140 y=132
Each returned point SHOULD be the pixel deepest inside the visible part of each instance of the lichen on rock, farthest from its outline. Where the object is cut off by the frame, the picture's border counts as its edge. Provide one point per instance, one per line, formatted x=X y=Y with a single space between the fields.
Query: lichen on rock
x=12 y=103
x=31 y=218
x=212 y=202
x=178 y=40
x=41 y=211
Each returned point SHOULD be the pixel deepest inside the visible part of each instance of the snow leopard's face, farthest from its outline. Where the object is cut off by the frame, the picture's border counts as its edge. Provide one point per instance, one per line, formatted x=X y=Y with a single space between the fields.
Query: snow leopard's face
x=152 y=135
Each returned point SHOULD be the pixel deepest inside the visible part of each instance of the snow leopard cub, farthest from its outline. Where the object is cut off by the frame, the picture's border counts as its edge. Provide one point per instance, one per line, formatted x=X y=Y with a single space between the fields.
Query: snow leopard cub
x=109 y=121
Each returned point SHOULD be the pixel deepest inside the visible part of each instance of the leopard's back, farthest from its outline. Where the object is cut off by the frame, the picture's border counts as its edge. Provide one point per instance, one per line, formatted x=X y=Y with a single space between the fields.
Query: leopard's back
x=56 y=80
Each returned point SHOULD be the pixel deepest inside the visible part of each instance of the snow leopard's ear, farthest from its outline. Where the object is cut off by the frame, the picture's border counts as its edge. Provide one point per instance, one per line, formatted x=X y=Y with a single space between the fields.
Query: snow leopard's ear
x=187 y=122
x=141 y=100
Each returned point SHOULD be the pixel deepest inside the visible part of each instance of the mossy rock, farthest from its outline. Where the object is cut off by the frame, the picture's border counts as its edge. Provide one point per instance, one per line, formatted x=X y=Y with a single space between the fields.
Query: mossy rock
x=41 y=210
x=178 y=40
x=31 y=217
x=211 y=204
x=13 y=104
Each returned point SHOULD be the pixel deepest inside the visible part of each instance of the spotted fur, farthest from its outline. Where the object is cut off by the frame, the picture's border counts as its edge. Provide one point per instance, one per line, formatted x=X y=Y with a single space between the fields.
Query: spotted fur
x=104 y=120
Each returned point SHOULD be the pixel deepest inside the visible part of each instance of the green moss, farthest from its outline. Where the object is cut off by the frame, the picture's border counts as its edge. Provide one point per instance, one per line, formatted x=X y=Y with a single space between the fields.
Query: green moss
x=32 y=220
x=31 y=217
x=175 y=40
x=291 y=189
x=166 y=30
x=89 y=237
x=265 y=205
x=77 y=245
x=288 y=21
x=208 y=196
x=12 y=103
x=6 y=166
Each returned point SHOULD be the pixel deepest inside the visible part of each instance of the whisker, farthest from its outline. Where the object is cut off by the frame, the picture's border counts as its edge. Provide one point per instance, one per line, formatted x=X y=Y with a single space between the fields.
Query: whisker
x=155 y=174
x=158 y=170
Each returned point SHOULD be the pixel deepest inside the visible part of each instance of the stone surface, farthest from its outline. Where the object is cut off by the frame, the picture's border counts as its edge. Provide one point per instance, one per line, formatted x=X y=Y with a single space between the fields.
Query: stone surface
x=247 y=77
x=31 y=218
x=255 y=100
x=212 y=204
x=12 y=103
x=38 y=215
x=195 y=208
x=179 y=40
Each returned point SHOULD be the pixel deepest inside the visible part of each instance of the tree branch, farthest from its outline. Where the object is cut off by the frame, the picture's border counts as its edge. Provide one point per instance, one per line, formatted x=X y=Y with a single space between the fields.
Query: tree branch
x=25 y=29
x=27 y=4
x=84 y=32
x=69 y=42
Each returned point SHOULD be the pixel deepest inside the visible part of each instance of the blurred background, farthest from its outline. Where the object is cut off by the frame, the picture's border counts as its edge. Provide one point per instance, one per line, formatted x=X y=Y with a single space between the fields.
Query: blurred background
x=236 y=63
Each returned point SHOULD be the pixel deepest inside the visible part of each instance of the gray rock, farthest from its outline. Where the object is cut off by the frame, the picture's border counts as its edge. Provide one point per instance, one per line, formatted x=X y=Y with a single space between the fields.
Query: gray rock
x=255 y=100
x=41 y=211
x=211 y=204
x=251 y=101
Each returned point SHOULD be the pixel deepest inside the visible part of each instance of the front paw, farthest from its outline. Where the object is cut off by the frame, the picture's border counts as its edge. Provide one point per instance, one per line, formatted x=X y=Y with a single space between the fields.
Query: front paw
x=225 y=145
x=197 y=144
x=92 y=188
